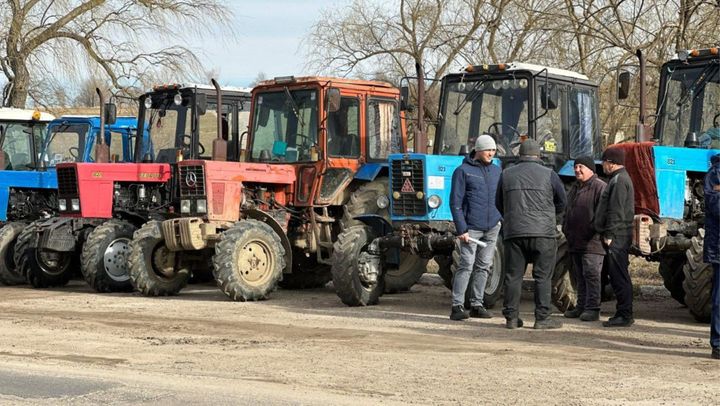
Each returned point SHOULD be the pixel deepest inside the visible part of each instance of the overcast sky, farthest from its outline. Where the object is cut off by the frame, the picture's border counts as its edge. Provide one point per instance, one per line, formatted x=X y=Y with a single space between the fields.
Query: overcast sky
x=268 y=40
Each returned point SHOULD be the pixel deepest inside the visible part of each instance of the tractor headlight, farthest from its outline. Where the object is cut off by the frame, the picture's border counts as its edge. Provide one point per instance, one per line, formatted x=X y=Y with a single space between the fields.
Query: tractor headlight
x=185 y=206
x=382 y=201
x=202 y=206
x=75 y=204
x=62 y=204
x=396 y=195
x=434 y=201
x=148 y=102
x=177 y=99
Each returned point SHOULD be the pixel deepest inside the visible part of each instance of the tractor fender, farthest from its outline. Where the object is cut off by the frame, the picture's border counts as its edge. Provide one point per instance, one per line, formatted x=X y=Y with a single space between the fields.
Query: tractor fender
x=369 y=171
x=379 y=224
x=62 y=234
x=279 y=230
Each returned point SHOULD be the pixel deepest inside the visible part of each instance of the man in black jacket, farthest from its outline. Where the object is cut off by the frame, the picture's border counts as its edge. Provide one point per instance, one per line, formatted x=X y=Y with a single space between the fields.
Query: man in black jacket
x=614 y=223
x=586 y=249
x=529 y=196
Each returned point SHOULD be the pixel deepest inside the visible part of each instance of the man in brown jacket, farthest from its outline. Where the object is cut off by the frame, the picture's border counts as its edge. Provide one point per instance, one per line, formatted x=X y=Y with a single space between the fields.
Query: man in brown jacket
x=585 y=247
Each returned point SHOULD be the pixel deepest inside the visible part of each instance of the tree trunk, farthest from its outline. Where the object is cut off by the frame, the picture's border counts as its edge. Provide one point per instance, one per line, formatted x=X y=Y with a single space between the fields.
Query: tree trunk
x=20 y=84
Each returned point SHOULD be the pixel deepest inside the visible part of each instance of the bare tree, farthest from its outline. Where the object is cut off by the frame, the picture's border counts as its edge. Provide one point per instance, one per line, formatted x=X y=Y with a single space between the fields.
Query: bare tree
x=47 y=38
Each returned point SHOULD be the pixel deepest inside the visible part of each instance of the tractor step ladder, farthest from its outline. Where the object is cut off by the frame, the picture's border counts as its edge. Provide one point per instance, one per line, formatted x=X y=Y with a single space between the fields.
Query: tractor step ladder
x=324 y=237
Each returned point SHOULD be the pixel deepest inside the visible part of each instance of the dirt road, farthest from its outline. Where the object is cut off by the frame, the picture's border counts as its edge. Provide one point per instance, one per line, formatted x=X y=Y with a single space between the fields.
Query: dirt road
x=71 y=346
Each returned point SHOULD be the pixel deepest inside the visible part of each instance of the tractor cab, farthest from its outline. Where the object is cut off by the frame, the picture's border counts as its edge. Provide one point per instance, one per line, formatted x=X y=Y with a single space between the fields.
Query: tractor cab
x=21 y=136
x=183 y=120
x=331 y=130
x=517 y=101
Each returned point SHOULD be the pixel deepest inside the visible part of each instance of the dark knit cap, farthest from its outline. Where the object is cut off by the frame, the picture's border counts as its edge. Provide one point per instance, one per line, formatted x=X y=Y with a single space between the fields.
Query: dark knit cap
x=586 y=161
x=529 y=147
x=615 y=155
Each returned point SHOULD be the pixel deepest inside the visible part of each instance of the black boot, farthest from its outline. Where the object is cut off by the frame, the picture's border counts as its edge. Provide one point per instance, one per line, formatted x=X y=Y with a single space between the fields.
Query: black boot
x=480 y=312
x=590 y=315
x=574 y=313
x=458 y=313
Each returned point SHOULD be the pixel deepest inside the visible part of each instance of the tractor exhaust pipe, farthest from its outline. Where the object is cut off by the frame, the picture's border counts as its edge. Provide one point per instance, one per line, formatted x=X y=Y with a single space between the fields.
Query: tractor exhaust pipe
x=220 y=145
x=2 y=152
x=641 y=130
x=102 y=150
x=420 y=144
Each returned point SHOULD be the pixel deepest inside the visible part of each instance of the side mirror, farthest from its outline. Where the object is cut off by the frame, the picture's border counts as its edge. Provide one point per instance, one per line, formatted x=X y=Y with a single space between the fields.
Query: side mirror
x=404 y=98
x=623 y=85
x=332 y=99
x=110 y=113
x=549 y=98
x=201 y=104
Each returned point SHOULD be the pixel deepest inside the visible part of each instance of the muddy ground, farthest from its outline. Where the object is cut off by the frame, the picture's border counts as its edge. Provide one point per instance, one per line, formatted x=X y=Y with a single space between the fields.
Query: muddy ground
x=72 y=346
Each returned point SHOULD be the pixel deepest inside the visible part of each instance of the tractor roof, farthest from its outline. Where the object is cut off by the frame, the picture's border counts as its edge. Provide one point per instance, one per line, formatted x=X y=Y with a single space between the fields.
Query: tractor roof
x=199 y=86
x=324 y=80
x=13 y=114
x=539 y=68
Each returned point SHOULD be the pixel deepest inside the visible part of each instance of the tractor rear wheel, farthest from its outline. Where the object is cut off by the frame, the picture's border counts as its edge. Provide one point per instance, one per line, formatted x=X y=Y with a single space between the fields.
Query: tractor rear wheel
x=42 y=268
x=563 y=288
x=495 y=281
x=249 y=261
x=104 y=257
x=671 y=270
x=9 y=274
x=351 y=287
x=154 y=269
x=364 y=201
x=698 y=282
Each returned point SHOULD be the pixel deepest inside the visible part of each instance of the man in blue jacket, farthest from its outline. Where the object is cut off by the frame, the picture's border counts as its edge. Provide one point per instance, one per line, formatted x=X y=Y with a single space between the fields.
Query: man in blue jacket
x=473 y=209
x=711 y=247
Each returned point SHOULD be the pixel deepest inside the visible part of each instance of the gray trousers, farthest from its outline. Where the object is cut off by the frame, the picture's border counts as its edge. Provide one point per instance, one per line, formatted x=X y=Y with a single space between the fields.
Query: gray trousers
x=586 y=270
x=474 y=264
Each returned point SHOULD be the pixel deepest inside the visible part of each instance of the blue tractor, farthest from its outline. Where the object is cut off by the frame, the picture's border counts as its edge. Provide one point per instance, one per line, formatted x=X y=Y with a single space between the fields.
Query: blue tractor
x=29 y=191
x=21 y=133
x=667 y=167
x=511 y=102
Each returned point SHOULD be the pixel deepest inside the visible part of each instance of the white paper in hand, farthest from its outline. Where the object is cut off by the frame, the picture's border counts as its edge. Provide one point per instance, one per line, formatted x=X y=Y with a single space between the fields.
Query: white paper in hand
x=479 y=243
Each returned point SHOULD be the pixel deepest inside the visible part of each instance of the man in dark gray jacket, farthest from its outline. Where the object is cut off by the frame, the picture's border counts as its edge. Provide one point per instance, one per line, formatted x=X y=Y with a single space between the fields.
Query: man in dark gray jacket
x=529 y=197
x=614 y=222
x=586 y=249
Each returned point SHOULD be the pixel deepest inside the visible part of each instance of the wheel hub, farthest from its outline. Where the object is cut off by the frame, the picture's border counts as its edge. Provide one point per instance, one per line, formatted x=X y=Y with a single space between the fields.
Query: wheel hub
x=368 y=268
x=115 y=259
x=255 y=262
x=164 y=262
x=51 y=262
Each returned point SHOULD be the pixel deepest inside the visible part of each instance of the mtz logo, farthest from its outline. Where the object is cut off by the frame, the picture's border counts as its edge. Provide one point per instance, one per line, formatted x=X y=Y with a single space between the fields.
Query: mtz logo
x=671 y=161
x=441 y=168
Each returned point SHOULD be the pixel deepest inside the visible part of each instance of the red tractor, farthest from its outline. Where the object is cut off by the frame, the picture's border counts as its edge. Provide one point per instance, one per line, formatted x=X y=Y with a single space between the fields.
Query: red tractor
x=107 y=202
x=316 y=158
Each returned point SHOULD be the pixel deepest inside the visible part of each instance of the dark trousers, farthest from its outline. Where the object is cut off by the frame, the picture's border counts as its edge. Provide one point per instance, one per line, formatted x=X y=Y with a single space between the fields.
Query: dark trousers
x=617 y=265
x=586 y=270
x=715 y=318
x=519 y=252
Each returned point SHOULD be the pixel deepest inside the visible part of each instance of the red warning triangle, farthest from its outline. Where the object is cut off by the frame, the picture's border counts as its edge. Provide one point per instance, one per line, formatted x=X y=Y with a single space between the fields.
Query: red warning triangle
x=407 y=187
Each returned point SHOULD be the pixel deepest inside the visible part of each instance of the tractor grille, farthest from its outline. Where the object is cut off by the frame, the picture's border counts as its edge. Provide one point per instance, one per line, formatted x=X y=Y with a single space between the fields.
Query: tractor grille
x=192 y=181
x=405 y=173
x=67 y=182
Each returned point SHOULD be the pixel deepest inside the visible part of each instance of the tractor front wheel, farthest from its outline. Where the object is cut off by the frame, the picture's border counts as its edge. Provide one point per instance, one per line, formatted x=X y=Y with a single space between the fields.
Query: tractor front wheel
x=352 y=270
x=104 y=258
x=249 y=261
x=563 y=288
x=154 y=269
x=698 y=282
x=671 y=270
x=403 y=277
x=9 y=274
x=42 y=268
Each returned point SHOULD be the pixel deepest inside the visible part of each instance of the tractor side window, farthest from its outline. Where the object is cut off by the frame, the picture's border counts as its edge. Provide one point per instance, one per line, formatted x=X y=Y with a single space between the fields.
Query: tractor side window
x=582 y=120
x=549 y=126
x=116 y=147
x=343 y=129
x=17 y=147
x=710 y=127
x=383 y=129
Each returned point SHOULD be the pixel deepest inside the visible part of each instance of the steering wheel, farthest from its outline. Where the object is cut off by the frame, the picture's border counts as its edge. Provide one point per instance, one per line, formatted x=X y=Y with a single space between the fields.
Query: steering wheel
x=505 y=147
x=186 y=145
x=74 y=152
x=715 y=120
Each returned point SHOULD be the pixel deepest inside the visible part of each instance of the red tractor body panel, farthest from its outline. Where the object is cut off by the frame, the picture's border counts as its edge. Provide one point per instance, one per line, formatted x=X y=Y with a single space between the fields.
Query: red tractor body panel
x=95 y=183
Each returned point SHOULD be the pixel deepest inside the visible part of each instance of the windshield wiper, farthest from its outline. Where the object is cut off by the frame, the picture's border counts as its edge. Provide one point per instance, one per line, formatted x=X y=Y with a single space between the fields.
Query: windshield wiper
x=470 y=97
x=295 y=108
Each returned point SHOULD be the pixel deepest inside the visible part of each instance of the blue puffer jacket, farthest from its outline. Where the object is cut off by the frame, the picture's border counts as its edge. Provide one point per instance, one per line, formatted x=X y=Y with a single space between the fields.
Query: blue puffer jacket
x=711 y=245
x=472 y=199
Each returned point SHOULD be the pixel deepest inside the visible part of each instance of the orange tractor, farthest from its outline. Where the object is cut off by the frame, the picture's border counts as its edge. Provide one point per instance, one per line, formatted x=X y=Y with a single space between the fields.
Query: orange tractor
x=316 y=157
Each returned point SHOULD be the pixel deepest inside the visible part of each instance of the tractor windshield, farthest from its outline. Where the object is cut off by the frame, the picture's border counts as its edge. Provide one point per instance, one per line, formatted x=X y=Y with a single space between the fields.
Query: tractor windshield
x=168 y=119
x=690 y=103
x=285 y=126
x=498 y=107
x=65 y=143
x=18 y=143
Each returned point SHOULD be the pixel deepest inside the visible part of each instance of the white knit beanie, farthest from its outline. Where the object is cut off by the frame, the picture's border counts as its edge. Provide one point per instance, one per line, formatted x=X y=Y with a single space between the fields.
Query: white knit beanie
x=485 y=142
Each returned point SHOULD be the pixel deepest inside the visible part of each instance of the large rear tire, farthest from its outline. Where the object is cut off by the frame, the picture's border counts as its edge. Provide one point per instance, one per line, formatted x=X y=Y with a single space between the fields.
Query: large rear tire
x=153 y=267
x=9 y=274
x=105 y=254
x=402 y=278
x=41 y=268
x=349 y=285
x=564 y=295
x=249 y=261
x=671 y=269
x=698 y=282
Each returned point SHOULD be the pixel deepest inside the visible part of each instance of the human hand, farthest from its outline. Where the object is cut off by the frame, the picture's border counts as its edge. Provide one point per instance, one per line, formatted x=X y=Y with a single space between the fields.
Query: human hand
x=464 y=237
x=607 y=241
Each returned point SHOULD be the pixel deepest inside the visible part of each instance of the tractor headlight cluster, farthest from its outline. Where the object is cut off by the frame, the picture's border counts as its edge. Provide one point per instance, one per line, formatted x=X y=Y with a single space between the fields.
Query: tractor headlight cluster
x=202 y=206
x=434 y=201
x=185 y=206
x=148 y=102
x=382 y=202
x=75 y=204
x=62 y=205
